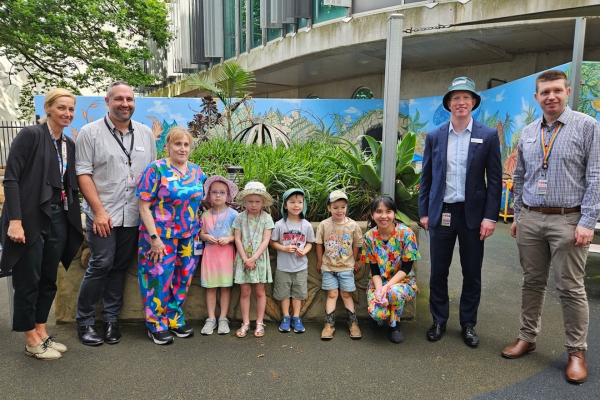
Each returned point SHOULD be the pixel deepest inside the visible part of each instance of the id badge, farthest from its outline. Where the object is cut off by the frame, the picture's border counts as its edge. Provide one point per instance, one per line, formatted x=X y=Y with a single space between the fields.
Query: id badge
x=130 y=180
x=446 y=219
x=542 y=186
x=198 y=247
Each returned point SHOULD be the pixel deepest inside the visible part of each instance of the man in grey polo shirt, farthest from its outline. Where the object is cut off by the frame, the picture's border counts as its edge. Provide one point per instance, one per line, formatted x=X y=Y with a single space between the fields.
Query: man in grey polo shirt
x=110 y=154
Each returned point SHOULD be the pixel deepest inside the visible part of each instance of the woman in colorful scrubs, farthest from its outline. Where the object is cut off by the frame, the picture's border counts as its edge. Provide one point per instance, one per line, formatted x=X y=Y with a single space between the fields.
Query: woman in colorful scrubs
x=170 y=191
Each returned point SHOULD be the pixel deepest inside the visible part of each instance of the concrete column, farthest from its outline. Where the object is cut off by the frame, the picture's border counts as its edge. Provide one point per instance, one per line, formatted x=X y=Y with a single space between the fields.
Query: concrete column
x=391 y=103
x=578 y=42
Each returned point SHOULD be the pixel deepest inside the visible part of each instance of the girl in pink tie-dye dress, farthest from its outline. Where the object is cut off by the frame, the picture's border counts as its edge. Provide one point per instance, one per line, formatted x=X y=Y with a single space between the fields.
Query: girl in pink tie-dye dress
x=219 y=251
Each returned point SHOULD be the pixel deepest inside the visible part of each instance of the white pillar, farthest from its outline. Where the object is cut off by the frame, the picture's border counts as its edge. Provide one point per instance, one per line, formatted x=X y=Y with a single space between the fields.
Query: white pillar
x=391 y=103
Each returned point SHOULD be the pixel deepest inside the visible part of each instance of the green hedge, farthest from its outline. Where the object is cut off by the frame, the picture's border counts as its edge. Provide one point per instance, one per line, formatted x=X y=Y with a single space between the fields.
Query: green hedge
x=302 y=165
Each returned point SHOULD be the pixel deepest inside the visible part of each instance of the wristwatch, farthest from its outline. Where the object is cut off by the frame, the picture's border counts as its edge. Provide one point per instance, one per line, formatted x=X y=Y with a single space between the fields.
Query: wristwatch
x=154 y=236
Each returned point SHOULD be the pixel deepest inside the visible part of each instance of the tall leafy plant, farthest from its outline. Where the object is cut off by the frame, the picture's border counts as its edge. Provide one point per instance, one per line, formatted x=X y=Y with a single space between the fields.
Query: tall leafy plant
x=230 y=83
x=366 y=165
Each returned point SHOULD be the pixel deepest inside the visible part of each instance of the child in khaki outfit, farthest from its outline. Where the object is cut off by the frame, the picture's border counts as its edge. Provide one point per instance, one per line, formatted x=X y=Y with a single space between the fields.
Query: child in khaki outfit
x=338 y=240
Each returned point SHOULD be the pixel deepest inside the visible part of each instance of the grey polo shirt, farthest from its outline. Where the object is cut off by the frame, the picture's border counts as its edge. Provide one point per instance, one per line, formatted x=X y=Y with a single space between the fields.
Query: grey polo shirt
x=98 y=154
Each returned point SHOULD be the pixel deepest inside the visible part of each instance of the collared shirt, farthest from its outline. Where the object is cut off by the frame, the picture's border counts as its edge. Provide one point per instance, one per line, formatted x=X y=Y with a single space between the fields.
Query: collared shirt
x=175 y=198
x=573 y=172
x=456 y=163
x=98 y=154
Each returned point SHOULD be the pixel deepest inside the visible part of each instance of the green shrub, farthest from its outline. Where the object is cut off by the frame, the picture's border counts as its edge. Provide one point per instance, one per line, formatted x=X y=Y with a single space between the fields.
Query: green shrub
x=302 y=165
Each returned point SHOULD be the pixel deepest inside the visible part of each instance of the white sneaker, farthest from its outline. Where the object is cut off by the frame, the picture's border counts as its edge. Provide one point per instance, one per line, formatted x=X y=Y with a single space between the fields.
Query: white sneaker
x=223 y=326
x=42 y=352
x=209 y=326
x=53 y=344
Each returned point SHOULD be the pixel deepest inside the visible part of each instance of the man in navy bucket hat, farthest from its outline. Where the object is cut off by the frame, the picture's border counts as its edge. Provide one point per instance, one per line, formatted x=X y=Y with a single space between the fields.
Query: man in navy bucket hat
x=461 y=186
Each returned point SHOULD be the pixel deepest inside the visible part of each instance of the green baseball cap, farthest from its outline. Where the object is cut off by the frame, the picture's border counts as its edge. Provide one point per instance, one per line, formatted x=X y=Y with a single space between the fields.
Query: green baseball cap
x=461 y=83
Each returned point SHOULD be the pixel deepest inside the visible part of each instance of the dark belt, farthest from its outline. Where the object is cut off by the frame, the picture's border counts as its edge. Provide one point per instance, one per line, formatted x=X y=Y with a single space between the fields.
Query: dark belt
x=553 y=210
x=55 y=206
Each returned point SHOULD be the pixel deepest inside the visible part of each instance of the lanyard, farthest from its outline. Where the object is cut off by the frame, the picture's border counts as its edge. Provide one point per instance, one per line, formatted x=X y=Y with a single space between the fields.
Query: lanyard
x=127 y=153
x=62 y=158
x=547 y=149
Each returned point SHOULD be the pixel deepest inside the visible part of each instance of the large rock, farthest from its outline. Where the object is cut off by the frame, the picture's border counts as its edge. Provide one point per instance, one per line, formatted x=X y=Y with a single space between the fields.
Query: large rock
x=313 y=308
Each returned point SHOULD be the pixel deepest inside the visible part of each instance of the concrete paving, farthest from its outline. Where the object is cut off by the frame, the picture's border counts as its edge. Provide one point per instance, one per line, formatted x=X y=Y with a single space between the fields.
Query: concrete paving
x=302 y=366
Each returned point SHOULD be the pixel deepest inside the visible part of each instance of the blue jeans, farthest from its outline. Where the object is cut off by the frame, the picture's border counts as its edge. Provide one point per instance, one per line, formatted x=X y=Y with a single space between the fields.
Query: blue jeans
x=343 y=280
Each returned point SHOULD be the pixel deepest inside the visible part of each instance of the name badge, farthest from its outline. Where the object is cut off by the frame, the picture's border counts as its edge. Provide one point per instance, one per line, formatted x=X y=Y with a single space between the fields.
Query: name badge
x=542 y=186
x=131 y=180
x=476 y=140
x=139 y=148
x=446 y=219
x=172 y=178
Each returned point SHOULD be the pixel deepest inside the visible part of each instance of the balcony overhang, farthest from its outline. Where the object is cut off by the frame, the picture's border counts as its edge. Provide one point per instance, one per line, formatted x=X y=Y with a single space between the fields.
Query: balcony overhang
x=477 y=32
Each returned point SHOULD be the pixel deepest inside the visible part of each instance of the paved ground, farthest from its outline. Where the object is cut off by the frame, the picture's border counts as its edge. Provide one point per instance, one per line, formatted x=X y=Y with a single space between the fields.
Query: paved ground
x=302 y=366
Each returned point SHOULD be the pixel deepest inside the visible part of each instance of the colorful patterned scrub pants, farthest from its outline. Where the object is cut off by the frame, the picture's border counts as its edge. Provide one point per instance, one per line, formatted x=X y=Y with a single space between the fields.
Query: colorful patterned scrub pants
x=397 y=296
x=164 y=286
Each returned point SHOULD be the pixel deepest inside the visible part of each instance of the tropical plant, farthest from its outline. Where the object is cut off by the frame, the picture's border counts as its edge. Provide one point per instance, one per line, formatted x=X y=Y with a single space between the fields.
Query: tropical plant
x=229 y=82
x=261 y=133
x=302 y=165
x=205 y=119
x=367 y=166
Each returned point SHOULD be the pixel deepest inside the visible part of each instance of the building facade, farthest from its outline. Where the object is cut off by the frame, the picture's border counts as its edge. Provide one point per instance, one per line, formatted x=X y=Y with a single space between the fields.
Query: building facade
x=337 y=48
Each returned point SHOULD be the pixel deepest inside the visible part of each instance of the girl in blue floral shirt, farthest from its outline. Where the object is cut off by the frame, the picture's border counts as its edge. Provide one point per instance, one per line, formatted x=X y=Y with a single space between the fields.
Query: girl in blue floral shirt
x=389 y=249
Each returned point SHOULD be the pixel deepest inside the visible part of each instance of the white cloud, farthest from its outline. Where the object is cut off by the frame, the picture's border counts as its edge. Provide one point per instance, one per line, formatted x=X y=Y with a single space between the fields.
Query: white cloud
x=500 y=96
x=413 y=102
x=519 y=121
x=180 y=119
x=352 y=110
x=159 y=108
x=293 y=102
x=524 y=104
x=435 y=103
x=484 y=97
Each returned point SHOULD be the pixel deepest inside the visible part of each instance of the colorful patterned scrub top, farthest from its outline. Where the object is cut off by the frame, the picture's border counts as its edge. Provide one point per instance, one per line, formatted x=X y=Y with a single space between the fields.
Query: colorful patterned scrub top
x=402 y=246
x=175 y=198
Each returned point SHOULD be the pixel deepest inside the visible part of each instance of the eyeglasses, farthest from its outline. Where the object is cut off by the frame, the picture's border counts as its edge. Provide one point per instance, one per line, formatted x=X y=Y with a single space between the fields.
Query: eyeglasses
x=218 y=193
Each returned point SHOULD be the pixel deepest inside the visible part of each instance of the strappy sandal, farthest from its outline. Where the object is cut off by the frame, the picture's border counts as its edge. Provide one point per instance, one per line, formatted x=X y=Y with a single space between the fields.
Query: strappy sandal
x=243 y=330
x=260 y=329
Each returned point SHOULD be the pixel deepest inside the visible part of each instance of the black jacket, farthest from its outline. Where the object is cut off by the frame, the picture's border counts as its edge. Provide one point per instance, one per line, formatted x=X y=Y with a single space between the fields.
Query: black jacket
x=32 y=171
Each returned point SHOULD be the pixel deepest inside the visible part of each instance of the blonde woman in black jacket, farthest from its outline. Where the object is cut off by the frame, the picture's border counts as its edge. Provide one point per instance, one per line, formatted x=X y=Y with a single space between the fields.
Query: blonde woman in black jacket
x=41 y=221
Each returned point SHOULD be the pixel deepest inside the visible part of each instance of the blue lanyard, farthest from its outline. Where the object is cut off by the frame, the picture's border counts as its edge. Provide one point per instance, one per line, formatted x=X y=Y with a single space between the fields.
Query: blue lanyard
x=62 y=159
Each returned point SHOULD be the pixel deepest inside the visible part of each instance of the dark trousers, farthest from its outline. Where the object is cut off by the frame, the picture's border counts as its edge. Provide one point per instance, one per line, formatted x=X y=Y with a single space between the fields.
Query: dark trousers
x=34 y=275
x=442 y=242
x=106 y=271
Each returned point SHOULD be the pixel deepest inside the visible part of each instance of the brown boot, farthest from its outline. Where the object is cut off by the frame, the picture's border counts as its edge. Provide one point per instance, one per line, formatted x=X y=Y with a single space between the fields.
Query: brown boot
x=353 y=325
x=576 y=368
x=518 y=348
x=327 y=332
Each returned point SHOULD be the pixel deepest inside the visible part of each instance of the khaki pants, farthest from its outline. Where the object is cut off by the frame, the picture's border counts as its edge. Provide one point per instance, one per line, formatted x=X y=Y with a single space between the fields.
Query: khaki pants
x=544 y=241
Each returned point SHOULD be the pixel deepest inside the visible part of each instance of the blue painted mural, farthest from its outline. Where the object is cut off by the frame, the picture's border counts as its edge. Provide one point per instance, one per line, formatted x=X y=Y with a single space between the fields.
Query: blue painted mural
x=508 y=108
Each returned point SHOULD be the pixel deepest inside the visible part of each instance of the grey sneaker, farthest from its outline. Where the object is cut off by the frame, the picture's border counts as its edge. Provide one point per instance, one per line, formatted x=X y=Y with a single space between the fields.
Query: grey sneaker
x=209 y=326
x=223 y=326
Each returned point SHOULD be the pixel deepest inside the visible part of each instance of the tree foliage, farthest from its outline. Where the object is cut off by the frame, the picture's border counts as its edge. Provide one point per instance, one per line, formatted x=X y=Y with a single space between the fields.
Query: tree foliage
x=80 y=44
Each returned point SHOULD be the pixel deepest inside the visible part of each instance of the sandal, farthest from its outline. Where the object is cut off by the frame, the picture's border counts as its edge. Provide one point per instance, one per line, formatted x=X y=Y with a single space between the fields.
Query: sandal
x=260 y=329
x=243 y=330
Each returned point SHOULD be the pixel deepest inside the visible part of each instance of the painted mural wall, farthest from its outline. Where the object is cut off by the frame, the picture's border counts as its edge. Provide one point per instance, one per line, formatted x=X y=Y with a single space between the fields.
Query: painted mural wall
x=507 y=108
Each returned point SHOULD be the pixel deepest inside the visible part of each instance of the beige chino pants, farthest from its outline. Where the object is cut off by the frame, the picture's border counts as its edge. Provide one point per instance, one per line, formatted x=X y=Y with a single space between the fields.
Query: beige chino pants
x=548 y=241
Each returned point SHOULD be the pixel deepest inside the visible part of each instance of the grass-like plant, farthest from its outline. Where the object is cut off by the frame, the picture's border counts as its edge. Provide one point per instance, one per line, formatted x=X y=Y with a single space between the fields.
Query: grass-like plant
x=303 y=165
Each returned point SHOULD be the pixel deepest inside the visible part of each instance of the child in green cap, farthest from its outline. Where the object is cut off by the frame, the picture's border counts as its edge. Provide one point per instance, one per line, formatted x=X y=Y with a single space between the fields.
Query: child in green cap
x=292 y=237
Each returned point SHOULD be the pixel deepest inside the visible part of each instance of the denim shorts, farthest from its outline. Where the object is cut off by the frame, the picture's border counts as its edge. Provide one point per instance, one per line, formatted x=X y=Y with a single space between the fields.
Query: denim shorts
x=343 y=280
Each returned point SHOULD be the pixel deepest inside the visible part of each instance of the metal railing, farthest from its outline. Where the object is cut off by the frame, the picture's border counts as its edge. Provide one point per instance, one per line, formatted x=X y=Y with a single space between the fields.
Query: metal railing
x=8 y=131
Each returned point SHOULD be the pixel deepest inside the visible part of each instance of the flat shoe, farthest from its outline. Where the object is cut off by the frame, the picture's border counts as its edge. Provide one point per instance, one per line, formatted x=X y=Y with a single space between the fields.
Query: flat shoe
x=42 y=352
x=53 y=344
x=518 y=349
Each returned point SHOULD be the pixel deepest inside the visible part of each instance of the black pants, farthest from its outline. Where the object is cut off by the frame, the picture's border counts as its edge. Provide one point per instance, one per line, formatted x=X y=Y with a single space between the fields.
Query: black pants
x=34 y=275
x=106 y=272
x=442 y=242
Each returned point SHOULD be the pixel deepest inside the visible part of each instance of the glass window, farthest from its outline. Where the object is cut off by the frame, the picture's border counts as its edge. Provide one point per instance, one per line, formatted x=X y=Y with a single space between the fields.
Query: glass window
x=323 y=13
x=273 y=34
x=229 y=28
x=363 y=93
x=302 y=23
x=243 y=5
x=256 y=29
